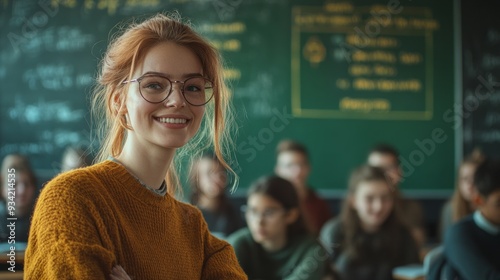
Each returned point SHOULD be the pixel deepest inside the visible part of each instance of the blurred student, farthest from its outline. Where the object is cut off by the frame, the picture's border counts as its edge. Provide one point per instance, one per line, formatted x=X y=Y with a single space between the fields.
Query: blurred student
x=461 y=205
x=73 y=158
x=208 y=179
x=387 y=158
x=292 y=163
x=159 y=81
x=472 y=246
x=18 y=189
x=276 y=244
x=368 y=240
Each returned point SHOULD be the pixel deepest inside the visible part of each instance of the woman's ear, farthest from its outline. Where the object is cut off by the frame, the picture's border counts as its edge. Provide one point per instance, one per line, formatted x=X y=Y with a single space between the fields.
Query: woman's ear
x=292 y=215
x=119 y=106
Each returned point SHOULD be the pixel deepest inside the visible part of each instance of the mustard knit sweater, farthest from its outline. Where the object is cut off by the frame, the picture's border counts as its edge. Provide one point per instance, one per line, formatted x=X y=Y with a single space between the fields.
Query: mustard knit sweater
x=88 y=220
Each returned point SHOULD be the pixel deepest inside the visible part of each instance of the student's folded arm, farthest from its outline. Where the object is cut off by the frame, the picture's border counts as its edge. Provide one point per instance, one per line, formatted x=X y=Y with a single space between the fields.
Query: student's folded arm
x=67 y=238
x=466 y=259
x=220 y=259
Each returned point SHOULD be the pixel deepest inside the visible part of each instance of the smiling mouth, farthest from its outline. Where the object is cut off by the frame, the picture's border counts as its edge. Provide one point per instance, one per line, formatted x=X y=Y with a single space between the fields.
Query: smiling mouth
x=172 y=120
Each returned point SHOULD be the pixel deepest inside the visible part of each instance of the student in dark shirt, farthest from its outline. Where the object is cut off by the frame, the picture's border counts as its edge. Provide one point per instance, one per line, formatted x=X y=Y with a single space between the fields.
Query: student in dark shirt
x=208 y=183
x=367 y=241
x=472 y=246
x=292 y=163
x=276 y=244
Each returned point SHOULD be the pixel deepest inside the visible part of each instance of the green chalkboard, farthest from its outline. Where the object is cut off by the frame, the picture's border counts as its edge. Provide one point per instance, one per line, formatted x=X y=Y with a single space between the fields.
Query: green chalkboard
x=337 y=76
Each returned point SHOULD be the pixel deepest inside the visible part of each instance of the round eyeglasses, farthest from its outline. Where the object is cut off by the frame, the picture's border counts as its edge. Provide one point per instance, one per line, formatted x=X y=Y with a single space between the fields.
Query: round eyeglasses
x=197 y=91
x=267 y=214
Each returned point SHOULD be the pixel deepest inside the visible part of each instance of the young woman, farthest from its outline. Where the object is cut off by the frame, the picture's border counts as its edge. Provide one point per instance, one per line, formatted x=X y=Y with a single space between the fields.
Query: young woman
x=460 y=205
x=367 y=241
x=208 y=179
x=159 y=81
x=276 y=244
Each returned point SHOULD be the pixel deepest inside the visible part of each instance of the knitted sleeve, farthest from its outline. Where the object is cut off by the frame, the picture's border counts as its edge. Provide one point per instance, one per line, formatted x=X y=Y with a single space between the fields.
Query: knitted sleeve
x=220 y=259
x=67 y=240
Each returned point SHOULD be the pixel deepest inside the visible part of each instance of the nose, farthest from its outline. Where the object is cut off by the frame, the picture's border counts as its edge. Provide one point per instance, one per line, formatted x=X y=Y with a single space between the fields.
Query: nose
x=295 y=169
x=20 y=188
x=261 y=220
x=176 y=98
x=377 y=205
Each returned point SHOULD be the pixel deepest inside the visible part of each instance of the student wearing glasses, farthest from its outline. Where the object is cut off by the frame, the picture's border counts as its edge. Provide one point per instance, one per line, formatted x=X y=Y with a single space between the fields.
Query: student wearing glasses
x=276 y=244
x=158 y=82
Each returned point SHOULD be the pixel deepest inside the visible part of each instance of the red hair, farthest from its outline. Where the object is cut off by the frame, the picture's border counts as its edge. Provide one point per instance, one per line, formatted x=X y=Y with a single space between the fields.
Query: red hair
x=125 y=53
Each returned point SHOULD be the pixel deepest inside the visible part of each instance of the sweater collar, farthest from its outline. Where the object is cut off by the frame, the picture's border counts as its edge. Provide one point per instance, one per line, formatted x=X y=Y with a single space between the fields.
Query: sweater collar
x=129 y=183
x=484 y=224
x=161 y=191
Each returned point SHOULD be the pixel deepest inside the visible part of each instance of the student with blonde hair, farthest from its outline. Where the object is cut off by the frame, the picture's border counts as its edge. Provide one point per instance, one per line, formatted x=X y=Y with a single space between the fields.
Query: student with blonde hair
x=158 y=83
x=461 y=205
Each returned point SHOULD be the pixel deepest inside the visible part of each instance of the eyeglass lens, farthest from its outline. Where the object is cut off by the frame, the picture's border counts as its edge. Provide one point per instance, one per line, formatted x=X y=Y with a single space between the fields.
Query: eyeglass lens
x=267 y=214
x=196 y=90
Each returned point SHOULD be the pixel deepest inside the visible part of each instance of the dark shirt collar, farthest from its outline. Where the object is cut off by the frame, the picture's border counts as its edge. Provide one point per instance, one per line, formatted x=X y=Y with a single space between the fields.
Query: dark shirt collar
x=484 y=224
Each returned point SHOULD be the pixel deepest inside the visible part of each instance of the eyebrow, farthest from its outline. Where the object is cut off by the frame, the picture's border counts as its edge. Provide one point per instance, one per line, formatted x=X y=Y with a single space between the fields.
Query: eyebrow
x=187 y=75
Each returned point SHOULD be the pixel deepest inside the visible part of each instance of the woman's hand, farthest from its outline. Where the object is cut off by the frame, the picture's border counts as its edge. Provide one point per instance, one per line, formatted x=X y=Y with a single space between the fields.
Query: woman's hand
x=118 y=273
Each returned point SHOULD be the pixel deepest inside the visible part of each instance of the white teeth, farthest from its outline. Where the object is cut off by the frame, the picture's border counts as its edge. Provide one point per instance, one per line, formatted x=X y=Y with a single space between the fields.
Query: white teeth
x=171 y=120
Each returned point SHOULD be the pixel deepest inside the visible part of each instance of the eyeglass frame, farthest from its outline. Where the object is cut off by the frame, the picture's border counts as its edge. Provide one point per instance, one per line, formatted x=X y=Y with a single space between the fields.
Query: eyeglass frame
x=138 y=80
x=268 y=214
